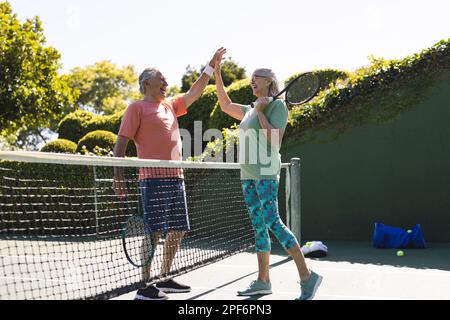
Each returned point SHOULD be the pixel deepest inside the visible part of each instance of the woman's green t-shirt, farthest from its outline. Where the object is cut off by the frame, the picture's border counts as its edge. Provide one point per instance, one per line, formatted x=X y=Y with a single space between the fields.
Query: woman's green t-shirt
x=259 y=158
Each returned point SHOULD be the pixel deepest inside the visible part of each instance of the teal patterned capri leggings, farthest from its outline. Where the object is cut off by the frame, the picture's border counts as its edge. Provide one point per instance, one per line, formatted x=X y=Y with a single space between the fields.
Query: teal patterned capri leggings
x=261 y=197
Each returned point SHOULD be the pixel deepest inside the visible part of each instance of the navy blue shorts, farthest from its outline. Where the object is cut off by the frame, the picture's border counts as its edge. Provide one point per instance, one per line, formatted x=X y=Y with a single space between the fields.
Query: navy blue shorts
x=164 y=204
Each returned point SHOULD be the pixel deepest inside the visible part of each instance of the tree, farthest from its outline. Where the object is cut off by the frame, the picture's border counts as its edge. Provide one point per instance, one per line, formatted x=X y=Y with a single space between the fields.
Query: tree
x=104 y=87
x=172 y=91
x=231 y=72
x=32 y=94
x=189 y=77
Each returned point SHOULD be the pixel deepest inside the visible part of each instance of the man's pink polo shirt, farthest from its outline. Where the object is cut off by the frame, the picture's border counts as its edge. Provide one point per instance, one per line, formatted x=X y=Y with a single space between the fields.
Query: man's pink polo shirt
x=154 y=129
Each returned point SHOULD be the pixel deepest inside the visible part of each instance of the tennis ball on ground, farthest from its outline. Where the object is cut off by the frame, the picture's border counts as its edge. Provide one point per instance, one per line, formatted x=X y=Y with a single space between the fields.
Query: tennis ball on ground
x=409 y=231
x=400 y=253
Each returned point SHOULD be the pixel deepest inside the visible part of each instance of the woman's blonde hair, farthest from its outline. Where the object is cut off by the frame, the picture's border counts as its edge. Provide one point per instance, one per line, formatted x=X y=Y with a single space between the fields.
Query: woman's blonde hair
x=274 y=87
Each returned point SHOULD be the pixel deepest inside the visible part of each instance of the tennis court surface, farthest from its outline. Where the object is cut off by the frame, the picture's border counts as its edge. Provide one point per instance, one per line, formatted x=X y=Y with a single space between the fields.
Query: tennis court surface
x=352 y=271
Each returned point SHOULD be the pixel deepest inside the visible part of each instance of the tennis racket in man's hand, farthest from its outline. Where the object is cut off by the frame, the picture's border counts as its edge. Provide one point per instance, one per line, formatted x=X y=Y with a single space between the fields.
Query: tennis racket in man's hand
x=300 y=90
x=137 y=240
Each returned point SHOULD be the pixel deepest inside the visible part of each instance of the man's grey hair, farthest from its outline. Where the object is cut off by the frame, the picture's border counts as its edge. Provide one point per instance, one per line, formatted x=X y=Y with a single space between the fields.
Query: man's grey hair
x=148 y=73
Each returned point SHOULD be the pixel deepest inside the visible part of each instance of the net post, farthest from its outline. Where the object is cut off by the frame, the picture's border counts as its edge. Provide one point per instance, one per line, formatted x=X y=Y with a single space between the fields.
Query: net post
x=288 y=195
x=295 y=210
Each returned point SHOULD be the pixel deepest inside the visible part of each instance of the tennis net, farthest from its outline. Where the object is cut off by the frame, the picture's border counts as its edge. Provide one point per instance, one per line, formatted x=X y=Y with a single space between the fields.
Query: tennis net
x=62 y=222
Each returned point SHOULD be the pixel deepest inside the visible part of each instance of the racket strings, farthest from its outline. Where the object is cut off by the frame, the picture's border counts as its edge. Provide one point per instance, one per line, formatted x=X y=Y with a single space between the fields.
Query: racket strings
x=303 y=89
x=138 y=242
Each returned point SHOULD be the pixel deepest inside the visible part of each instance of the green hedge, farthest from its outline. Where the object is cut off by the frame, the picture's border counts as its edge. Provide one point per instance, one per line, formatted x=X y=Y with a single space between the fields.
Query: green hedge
x=353 y=93
x=106 y=123
x=99 y=138
x=381 y=76
x=101 y=142
x=60 y=146
x=339 y=90
x=48 y=200
x=327 y=77
x=72 y=127
x=219 y=148
x=77 y=124
x=239 y=92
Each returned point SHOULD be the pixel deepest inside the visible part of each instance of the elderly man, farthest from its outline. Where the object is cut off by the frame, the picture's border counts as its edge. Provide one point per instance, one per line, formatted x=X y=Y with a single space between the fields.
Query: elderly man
x=152 y=124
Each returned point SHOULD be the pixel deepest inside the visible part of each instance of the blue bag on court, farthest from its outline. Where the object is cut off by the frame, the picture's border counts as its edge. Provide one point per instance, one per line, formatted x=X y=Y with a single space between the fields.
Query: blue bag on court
x=392 y=237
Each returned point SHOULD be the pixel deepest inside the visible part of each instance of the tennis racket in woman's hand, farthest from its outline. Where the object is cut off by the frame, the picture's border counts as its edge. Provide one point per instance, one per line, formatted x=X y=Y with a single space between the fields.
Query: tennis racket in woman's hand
x=300 y=90
x=137 y=240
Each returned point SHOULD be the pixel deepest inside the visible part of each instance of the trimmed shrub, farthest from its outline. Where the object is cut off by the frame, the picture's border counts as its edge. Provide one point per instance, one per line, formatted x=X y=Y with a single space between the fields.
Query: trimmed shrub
x=77 y=124
x=107 y=123
x=72 y=127
x=113 y=123
x=60 y=146
x=100 y=138
x=101 y=142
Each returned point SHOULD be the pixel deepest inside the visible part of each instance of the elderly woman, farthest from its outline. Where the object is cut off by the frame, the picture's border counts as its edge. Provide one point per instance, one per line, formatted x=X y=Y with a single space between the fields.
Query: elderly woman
x=261 y=133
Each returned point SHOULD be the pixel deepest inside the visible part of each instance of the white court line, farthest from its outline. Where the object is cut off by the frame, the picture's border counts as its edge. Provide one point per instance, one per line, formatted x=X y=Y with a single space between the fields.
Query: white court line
x=46 y=258
x=411 y=271
x=236 y=289
x=296 y=293
x=54 y=280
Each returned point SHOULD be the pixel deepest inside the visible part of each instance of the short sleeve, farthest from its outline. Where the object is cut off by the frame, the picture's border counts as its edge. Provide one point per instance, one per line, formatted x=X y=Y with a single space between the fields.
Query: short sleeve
x=245 y=109
x=130 y=122
x=179 y=106
x=279 y=116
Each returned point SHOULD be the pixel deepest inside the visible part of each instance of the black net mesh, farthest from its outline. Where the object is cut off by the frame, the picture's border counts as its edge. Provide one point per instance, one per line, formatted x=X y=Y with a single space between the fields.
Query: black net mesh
x=61 y=227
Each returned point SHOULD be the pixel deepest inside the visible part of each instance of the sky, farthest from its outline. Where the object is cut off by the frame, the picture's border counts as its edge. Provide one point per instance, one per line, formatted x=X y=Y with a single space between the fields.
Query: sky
x=288 y=36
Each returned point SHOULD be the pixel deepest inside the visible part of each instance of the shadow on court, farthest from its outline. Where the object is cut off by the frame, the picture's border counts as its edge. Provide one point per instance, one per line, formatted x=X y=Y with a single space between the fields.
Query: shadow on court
x=254 y=274
x=351 y=271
